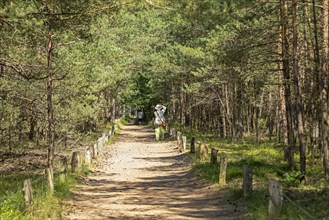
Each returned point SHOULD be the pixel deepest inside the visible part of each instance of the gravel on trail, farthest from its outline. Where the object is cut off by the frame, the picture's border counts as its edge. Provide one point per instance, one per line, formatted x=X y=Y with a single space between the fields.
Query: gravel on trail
x=140 y=178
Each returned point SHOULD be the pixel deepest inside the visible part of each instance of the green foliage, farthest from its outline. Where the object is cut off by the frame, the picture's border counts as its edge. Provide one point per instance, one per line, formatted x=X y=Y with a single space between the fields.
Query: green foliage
x=206 y=171
x=265 y=159
x=292 y=178
x=107 y=55
x=12 y=204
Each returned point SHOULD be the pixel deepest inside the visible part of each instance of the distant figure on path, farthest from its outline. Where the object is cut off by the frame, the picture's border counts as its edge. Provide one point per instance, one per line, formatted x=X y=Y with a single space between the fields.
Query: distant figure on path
x=140 y=116
x=132 y=113
x=159 y=122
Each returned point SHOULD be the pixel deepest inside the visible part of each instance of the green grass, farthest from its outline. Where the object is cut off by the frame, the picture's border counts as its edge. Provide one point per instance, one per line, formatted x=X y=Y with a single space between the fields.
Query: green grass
x=45 y=206
x=266 y=159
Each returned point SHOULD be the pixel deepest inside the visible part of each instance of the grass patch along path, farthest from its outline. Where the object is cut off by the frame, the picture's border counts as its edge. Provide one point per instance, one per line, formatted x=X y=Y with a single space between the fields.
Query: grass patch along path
x=142 y=179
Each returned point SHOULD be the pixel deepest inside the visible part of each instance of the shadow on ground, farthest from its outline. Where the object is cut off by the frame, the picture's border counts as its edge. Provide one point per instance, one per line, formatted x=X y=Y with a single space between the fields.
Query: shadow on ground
x=163 y=185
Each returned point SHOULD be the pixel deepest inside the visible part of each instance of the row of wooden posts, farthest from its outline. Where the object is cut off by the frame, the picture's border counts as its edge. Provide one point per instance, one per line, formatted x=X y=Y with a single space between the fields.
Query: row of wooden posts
x=78 y=159
x=202 y=152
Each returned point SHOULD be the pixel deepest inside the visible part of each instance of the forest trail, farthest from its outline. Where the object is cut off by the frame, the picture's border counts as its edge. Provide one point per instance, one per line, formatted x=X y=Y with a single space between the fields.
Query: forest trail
x=142 y=179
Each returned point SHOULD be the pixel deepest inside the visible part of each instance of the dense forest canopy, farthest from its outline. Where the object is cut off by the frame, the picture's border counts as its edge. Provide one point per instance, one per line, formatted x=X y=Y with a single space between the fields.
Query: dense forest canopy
x=230 y=68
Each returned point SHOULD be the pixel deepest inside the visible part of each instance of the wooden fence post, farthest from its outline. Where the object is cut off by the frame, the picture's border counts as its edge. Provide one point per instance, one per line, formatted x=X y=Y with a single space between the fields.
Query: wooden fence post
x=87 y=156
x=75 y=162
x=203 y=151
x=184 y=142
x=179 y=138
x=173 y=133
x=28 y=195
x=167 y=129
x=106 y=137
x=198 y=149
x=103 y=137
x=100 y=145
x=192 y=145
x=247 y=180
x=62 y=169
x=113 y=129
x=213 y=156
x=275 y=198
x=222 y=169
x=50 y=179
x=95 y=153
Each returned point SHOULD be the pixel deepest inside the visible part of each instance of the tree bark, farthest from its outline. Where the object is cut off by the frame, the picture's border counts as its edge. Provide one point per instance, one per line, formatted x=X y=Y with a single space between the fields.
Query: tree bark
x=297 y=88
x=316 y=89
x=50 y=110
x=324 y=87
x=289 y=153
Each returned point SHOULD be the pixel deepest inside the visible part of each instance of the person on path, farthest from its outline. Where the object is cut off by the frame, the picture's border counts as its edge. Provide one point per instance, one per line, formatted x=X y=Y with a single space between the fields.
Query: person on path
x=140 y=116
x=159 y=121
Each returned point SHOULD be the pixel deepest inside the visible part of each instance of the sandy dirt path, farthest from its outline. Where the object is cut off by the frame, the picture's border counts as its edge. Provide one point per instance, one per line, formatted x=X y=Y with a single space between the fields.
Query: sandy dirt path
x=142 y=179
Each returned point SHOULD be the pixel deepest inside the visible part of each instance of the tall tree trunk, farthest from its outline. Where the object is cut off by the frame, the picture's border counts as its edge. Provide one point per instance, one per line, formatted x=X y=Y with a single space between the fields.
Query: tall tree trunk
x=224 y=112
x=298 y=93
x=239 y=112
x=33 y=122
x=316 y=79
x=228 y=115
x=182 y=105
x=257 y=111
x=50 y=109
x=324 y=87
x=289 y=153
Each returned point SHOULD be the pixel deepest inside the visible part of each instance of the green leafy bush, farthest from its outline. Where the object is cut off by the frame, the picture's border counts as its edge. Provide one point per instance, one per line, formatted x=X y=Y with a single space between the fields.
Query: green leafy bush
x=292 y=179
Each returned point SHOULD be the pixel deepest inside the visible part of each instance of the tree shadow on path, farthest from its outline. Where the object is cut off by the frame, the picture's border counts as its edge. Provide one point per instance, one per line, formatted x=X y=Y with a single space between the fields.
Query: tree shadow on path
x=156 y=185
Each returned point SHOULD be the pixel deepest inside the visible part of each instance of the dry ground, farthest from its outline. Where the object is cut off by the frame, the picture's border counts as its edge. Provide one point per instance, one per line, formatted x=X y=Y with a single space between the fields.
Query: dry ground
x=142 y=179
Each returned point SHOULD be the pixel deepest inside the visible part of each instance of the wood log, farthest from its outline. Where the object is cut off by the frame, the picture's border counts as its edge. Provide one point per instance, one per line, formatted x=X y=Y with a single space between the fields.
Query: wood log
x=247 y=180
x=28 y=195
x=75 y=162
x=222 y=169
x=213 y=156
x=192 y=145
x=275 y=198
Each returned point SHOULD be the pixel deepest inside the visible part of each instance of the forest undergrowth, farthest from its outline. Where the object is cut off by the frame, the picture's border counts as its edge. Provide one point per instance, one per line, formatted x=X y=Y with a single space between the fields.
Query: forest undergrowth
x=304 y=197
x=29 y=162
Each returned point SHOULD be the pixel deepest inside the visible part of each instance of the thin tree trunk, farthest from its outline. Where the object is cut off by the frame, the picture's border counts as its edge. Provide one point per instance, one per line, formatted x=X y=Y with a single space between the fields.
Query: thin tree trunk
x=51 y=130
x=182 y=106
x=10 y=133
x=223 y=112
x=228 y=115
x=324 y=87
x=298 y=93
x=270 y=120
x=316 y=89
x=289 y=153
